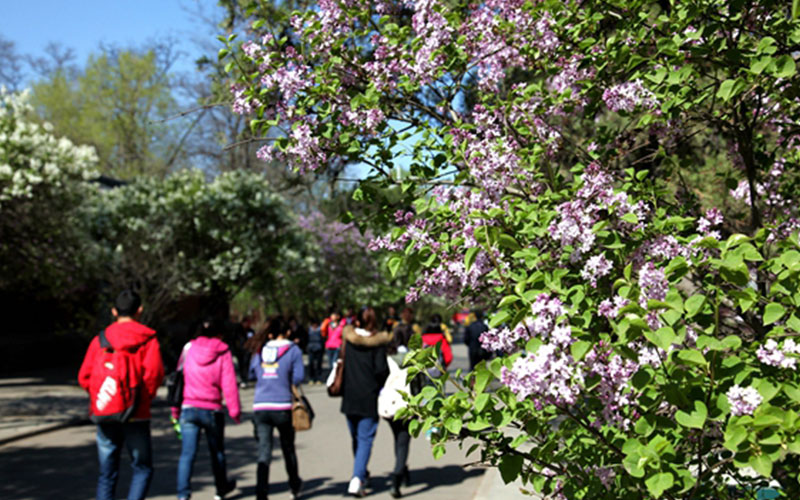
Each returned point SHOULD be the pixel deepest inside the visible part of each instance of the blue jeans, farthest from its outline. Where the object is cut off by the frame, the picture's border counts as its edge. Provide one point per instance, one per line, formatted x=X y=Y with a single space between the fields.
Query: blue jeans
x=136 y=437
x=193 y=420
x=265 y=422
x=315 y=365
x=333 y=355
x=362 y=432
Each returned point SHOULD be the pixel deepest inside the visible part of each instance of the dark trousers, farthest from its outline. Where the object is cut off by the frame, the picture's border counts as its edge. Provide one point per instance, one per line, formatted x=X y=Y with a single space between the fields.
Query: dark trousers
x=402 y=441
x=265 y=422
x=193 y=420
x=110 y=439
x=315 y=365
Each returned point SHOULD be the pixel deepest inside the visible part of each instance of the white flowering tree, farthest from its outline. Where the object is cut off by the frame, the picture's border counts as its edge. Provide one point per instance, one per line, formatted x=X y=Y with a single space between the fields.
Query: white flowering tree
x=617 y=178
x=43 y=181
x=187 y=235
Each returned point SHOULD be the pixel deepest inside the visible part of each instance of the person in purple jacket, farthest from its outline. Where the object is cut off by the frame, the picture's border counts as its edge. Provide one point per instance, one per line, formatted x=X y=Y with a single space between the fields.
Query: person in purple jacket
x=276 y=366
x=208 y=375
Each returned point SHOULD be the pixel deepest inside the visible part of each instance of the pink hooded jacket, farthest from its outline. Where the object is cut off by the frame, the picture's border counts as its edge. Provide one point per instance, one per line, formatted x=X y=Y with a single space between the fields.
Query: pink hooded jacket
x=334 y=340
x=208 y=374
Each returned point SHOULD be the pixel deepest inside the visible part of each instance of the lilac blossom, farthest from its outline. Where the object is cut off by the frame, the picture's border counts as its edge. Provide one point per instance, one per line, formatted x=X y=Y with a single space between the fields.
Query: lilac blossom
x=743 y=400
x=628 y=96
x=549 y=375
x=595 y=268
x=782 y=356
x=712 y=218
x=611 y=309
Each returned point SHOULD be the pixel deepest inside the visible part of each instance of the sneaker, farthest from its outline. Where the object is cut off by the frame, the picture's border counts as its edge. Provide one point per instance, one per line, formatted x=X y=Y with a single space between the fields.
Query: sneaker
x=355 y=488
x=296 y=491
x=230 y=487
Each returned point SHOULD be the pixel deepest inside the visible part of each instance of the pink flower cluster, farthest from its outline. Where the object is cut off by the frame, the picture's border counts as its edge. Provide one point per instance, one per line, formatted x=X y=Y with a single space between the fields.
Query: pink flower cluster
x=743 y=400
x=782 y=356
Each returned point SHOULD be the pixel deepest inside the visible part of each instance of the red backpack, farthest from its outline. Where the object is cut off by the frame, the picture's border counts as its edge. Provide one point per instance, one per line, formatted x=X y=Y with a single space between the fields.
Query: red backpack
x=115 y=383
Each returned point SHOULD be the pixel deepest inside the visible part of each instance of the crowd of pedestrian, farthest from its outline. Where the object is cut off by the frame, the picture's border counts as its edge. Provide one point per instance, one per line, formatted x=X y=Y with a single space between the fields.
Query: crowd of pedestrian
x=123 y=369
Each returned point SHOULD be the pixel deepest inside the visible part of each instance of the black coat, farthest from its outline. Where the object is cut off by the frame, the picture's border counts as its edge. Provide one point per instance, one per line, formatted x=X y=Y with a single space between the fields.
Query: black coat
x=365 y=371
x=473 y=333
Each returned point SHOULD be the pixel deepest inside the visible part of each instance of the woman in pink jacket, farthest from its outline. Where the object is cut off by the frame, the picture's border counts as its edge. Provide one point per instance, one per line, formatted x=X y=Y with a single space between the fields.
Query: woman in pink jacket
x=334 y=340
x=208 y=375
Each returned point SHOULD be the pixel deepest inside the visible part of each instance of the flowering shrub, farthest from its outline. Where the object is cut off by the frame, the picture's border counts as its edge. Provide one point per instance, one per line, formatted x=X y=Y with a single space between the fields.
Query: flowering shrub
x=563 y=161
x=186 y=235
x=43 y=180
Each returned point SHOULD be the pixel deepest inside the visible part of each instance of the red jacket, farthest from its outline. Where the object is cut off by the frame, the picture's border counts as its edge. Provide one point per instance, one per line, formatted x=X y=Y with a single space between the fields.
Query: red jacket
x=430 y=339
x=128 y=335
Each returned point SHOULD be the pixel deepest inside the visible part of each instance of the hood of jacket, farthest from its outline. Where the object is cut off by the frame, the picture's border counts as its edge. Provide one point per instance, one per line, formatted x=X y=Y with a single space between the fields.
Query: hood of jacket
x=206 y=350
x=274 y=349
x=357 y=336
x=128 y=334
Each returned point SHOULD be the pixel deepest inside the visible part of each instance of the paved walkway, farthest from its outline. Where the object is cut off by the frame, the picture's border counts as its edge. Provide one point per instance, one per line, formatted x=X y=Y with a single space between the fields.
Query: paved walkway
x=62 y=463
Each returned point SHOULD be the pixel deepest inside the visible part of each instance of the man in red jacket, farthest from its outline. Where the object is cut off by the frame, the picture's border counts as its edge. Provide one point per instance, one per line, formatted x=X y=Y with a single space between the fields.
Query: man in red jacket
x=126 y=334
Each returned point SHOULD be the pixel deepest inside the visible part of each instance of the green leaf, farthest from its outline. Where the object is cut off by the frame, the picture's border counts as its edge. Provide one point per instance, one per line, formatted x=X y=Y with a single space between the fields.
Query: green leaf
x=453 y=425
x=394 y=264
x=759 y=65
x=579 y=349
x=773 y=312
x=657 y=484
x=762 y=464
x=795 y=9
x=785 y=67
x=734 y=436
x=692 y=357
x=508 y=241
x=726 y=89
x=482 y=378
x=694 y=304
x=469 y=258
x=663 y=337
x=510 y=467
x=630 y=218
x=694 y=420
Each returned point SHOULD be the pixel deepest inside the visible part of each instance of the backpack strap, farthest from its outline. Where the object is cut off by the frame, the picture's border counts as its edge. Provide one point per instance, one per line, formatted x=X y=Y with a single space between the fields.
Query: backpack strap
x=104 y=343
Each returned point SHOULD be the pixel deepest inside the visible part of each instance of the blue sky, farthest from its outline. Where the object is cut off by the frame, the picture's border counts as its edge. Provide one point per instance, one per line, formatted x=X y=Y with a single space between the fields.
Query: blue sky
x=84 y=24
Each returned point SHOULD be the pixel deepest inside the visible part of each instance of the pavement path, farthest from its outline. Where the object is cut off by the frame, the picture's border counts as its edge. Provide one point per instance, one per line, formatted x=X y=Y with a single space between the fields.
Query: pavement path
x=62 y=463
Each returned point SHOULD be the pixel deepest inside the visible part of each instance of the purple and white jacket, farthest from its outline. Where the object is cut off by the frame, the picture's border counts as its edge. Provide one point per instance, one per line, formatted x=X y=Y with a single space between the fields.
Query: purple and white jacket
x=275 y=369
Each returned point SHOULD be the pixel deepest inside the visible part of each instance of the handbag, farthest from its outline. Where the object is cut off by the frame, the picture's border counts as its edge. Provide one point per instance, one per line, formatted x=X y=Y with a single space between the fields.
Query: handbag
x=175 y=382
x=302 y=414
x=336 y=377
x=390 y=398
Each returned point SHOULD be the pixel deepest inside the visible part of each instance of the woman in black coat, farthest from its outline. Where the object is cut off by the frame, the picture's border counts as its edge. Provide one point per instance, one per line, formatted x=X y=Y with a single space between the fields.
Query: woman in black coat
x=365 y=371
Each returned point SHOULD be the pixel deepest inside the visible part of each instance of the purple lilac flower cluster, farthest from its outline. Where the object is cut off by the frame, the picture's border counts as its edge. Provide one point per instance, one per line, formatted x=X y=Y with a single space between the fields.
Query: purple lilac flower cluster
x=628 y=96
x=614 y=373
x=653 y=285
x=610 y=309
x=595 y=198
x=595 y=268
x=549 y=375
x=782 y=356
x=543 y=324
x=743 y=400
